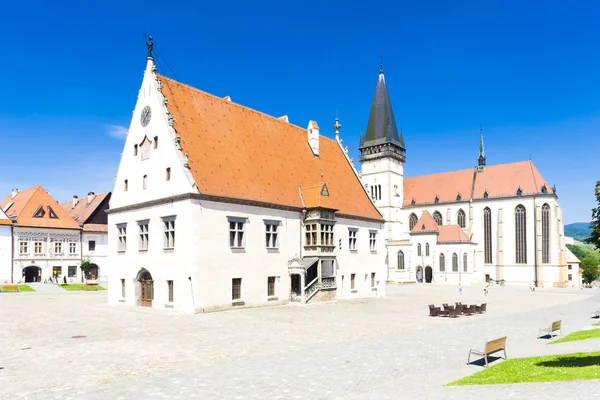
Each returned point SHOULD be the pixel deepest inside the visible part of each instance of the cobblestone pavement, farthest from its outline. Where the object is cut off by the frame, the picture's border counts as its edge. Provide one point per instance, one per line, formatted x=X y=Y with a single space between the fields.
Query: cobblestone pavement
x=366 y=349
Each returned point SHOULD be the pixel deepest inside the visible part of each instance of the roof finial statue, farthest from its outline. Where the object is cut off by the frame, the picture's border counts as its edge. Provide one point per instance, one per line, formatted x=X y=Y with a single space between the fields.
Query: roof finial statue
x=337 y=127
x=381 y=64
x=150 y=44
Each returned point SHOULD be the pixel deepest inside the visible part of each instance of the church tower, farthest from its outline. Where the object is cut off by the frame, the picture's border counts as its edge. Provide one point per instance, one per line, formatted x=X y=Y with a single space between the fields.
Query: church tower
x=382 y=156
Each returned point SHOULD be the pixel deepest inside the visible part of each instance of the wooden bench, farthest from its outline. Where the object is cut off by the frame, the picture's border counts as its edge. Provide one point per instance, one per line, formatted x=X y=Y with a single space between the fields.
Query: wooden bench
x=491 y=347
x=9 y=288
x=90 y=287
x=556 y=326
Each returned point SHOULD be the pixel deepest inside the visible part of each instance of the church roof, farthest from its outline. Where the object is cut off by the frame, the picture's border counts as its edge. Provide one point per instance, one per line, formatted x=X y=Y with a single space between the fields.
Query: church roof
x=36 y=208
x=381 y=127
x=452 y=234
x=425 y=224
x=497 y=181
x=236 y=152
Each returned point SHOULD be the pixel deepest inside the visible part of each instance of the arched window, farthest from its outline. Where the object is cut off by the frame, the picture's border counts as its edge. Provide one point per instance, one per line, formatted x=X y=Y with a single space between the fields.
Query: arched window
x=442 y=263
x=465 y=268
x=520 y=235
x=400 y=259
x=419 y=249
x=426 y=249
x=412 y=221
x=373 y=192
x=379 y=192
x=461 y=218
x=545 y=234
x=487 y=234
x=125 y=185
x=438 y=217
x=145 y=182
x=454 y=262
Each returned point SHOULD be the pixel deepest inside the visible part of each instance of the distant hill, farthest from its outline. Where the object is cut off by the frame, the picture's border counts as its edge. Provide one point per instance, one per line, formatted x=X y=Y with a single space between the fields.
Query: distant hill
x=578 y=230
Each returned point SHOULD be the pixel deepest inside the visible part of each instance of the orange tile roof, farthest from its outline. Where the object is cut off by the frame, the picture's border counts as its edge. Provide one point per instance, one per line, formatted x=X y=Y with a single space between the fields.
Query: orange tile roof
x=83 y=210
x=234 y=151
x=499 y=180
x=314 y=196
x=425 y=224
x=28 y=202
x=100 y=228
x=4 y=220
x=452 y=233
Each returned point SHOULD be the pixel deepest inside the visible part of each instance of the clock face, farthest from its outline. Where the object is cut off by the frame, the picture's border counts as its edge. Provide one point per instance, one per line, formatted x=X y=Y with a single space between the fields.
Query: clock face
x=146 y=115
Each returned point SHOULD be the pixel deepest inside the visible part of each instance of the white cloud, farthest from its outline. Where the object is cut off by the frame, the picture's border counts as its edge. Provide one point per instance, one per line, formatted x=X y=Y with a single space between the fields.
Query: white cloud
x=117 y=132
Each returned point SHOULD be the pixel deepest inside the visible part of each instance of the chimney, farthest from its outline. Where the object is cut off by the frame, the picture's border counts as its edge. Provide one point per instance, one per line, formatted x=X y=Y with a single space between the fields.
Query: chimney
x=15 y=192
x=75 y=200
x=313 y=137
x=91 y=196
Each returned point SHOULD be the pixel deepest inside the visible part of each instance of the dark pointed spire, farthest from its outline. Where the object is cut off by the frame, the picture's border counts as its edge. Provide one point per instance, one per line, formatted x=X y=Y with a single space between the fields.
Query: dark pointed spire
x=381 y=128
x=481 y=160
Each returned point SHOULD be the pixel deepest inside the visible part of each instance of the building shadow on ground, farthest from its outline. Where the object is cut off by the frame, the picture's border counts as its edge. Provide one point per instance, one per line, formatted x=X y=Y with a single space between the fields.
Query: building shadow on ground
x=571 y=362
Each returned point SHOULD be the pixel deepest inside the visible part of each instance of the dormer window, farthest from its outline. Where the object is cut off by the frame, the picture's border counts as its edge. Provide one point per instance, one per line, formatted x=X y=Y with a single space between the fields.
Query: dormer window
x=437 y=199
x=413 y=201
x=544 y=189
x=51 y=213
x=519 y=191
x=459 y=197
x=486 y=194
x=135 y=150
x=39 y=213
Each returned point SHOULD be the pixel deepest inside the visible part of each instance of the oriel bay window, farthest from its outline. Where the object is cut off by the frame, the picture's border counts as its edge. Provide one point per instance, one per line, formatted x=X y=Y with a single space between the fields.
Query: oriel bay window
x=327 y=235
x=324 y=232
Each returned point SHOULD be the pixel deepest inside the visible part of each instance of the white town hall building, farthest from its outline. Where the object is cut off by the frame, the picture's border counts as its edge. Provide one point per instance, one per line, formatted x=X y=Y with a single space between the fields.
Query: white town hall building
x=216 y=205
x=500 y=222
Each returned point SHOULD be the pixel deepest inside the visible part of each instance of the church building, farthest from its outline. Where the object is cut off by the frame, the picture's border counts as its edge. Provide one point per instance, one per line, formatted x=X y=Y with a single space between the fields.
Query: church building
x=497 y=223
x=216 y=206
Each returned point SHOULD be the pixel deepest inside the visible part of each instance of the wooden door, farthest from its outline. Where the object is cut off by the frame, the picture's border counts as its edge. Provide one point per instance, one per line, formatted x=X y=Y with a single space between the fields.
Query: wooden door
x=147 y=293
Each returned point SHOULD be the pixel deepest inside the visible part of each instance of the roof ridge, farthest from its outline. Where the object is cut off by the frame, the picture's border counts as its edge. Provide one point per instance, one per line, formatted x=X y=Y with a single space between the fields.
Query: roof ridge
x=533 y=174
x=241 y=106
x=466 y=169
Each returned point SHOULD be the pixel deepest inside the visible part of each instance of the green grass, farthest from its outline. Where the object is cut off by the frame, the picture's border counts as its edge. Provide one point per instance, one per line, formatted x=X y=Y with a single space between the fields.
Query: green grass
x=562 y=367
x=76 y=287
x=579 y=335
x=595 y=324
x=22 y=288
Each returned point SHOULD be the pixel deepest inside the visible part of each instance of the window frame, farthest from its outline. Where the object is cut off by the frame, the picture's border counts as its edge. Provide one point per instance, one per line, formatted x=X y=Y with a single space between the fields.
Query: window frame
x=272 y=234
x=72 y=268
x=38 y=244
x=520 y=234
x=454 y=262
x=353 y=239
x=373 y=241
x=23 y=244
x=412 y=221
x=121 y=238
x=58 y=247
x=426 y=249
x=236 y=282
x=143 y=235
x=438 y=218
x=487 y=235
x=169 y=232
x=546 y=222
x=442 y=262
x=232 y=240
x=72 y=248
x=465 y=262
x=271 y=284
x=90 y=247
x=170 y=291
x=400 y=256
x=461 y=218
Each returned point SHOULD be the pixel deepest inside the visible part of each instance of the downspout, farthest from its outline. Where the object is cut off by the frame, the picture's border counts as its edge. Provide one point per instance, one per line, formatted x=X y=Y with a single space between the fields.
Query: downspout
x=535 y=243
x=80 y=252
x=12 y=252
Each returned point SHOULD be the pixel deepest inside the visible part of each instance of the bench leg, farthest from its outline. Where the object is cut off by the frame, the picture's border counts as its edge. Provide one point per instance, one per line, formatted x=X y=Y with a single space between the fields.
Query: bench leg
x=486 y=361
x=469 y=359
x=506 y=358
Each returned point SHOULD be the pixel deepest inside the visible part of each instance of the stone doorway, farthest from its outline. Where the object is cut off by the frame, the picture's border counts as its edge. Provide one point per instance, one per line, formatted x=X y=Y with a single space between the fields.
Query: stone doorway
x=428 y=274
x=146 y=289
x=32 y=274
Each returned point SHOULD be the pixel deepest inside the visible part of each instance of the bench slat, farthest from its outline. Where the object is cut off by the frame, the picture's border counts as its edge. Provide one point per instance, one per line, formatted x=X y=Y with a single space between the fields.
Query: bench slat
x=495 y=345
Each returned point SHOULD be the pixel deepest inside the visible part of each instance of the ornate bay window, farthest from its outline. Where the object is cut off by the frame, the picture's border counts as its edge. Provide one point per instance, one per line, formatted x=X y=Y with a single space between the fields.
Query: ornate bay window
x=319 y=230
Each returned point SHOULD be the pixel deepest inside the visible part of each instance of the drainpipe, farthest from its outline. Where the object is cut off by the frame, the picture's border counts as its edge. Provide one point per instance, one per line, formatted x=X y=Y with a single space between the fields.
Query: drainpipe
x=81 y=251
x=535 y=243
x=12 y=252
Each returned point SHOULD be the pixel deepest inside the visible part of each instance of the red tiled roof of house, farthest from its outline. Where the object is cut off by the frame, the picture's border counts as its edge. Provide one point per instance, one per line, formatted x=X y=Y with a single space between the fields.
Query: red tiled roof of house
x=452 y=233
x=4 y=220
x=29 y=202
x=313 y=196
x=425 y=224
x=99 y=228
x=83 y=210
x=502 y=180
x=236 y=152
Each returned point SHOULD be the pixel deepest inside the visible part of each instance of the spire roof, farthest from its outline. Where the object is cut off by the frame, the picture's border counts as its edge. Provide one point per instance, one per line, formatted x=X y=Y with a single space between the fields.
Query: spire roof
x=481 y=159
x=382 y=124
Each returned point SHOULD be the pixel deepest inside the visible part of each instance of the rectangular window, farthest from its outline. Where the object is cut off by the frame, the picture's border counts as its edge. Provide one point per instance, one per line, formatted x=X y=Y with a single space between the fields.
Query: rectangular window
x=58 y=248
x=271 y=286
x=372 y=279
x=570 y=266
x=570 y=277
x=170 y=289
x=352 y=233
x=272 y=233
x=23 y=247
x=144 y=236
x=327 y=235
x=168 y=177
x=156 y=142
x=123 y=288
x=311 y=234
x=72 y=272
x=352 y=281
x=72 y=248
x=237 y=237
x=373 y=241
x=37 y=247
x=169 y=227
x=125 y=185
x=122 y=237
x=56 y=271
x=92 y=245
x=236 y=288
x=145 y=182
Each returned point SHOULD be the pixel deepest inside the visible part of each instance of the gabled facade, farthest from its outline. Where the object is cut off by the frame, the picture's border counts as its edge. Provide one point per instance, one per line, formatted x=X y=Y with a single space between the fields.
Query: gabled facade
x=216 y=205
x=46 y=241
x=90 y=212
x=509 y=213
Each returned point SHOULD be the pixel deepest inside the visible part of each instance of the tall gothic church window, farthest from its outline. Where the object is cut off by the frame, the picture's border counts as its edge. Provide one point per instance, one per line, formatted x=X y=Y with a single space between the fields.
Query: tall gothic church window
x=412 y=221
x=545 y=234
x=520 y=235
x=437 y=217
x=442 y=262
x=400 y=259
x=419 y=249
x=461 y=217
x=487 y=234
x=454 y=262
x=426 y=249
x=465 y=268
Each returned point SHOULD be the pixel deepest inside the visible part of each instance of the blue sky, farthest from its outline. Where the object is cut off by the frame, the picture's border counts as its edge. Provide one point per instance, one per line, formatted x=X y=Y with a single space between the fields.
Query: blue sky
x=528 y=71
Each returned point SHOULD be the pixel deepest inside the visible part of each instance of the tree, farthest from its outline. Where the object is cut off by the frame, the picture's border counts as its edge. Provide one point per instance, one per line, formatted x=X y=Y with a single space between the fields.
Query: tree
x=590 y=270
x=86 y=266
x=595 y=236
